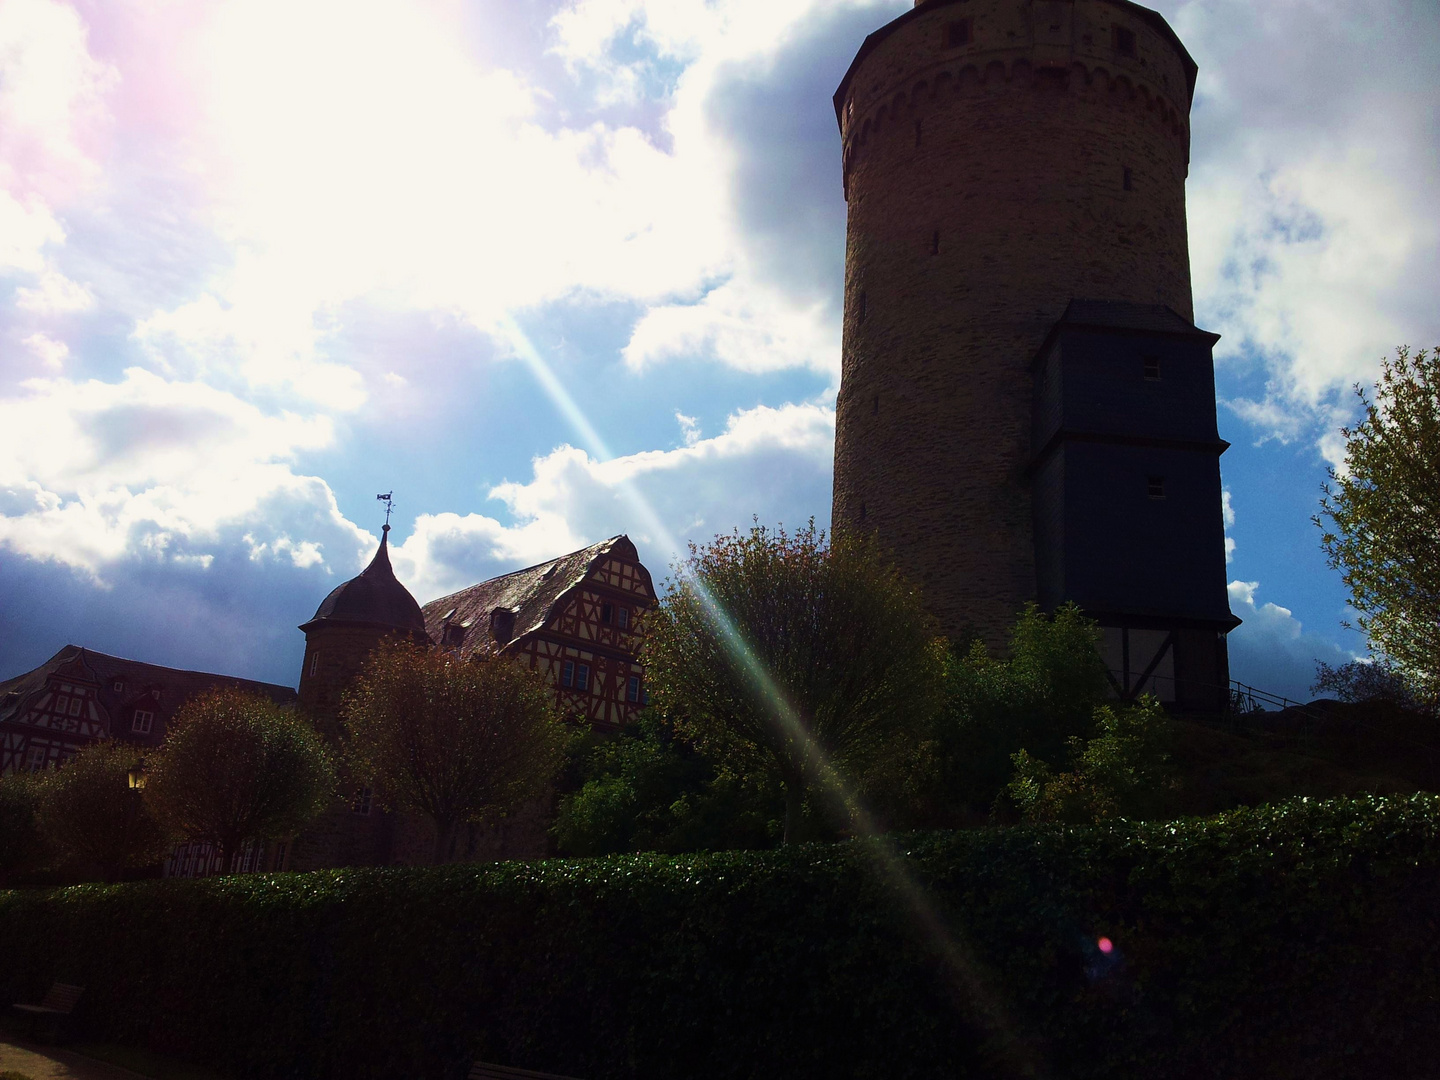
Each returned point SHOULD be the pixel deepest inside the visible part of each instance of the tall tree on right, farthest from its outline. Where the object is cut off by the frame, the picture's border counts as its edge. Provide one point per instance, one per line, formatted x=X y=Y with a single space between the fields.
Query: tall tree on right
x=1383 y=511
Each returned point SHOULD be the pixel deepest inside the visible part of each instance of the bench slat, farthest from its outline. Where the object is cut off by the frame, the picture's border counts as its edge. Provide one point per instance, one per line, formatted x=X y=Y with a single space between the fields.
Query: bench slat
x=62 y=997
x=482 y=1071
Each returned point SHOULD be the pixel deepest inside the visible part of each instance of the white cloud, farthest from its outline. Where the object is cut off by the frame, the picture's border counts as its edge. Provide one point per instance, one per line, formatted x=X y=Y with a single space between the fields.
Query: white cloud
x=1271 y=650
x=770 y=463
x=54 y=294
x=1227 y=513
x=93 y=471
x=689 y=428
x=52 y=353
x=1314 y=244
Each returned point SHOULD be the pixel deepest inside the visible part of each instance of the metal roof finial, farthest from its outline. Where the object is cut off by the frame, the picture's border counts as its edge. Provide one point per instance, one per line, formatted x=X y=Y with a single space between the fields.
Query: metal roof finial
x=389 y=500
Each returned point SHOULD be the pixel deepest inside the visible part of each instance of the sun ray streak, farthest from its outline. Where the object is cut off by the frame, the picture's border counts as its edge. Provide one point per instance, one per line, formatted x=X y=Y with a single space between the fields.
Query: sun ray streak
x=966 y=979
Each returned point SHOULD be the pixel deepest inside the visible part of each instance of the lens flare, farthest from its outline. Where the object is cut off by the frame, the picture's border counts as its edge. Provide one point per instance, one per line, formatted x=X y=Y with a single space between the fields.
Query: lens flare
x=955 y=953
x=1106 y=945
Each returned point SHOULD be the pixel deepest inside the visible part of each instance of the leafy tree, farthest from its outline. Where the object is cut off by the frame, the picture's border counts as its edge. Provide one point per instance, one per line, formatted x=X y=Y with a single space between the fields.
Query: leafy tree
x=1383 y=506
x=453 y=740
x=89 y=811
x=798 y=664
x=1379 y=681
x=22 y=845
x=1123 y=771
x=1039 y=695
x=236 y=768
x=648 y=789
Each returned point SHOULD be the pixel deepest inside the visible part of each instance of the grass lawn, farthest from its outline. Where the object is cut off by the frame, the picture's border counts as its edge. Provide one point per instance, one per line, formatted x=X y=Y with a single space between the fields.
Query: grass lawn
x=145 y=1062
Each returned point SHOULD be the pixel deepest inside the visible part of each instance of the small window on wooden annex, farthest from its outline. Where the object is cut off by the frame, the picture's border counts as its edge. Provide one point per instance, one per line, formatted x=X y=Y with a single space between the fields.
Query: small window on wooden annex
x=1155 y=487
x=607 y=613
x=632 y=690
x=143 y=721
x=1124 y=41
x=567 y=673
x=622 y=617
x=957 y=33
x=582 y=677
x=1152 y=369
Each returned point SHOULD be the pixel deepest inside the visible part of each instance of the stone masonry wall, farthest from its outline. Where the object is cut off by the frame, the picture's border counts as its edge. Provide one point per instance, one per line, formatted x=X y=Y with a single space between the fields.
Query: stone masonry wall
x=988 y=184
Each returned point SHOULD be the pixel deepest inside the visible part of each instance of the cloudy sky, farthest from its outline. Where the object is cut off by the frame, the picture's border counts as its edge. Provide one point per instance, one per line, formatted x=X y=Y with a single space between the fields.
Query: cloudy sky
x=557 y=269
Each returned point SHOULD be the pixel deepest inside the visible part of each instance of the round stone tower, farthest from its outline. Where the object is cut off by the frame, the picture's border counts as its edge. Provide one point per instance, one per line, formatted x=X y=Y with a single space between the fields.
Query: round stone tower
x=1001 y=159
x=347 y=627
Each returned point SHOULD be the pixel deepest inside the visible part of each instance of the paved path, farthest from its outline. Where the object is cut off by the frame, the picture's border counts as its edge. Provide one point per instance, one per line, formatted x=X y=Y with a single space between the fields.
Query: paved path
x=41 y=1062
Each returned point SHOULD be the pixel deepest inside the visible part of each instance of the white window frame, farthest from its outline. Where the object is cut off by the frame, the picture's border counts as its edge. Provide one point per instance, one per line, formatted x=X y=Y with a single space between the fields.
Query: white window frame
x=142 y=721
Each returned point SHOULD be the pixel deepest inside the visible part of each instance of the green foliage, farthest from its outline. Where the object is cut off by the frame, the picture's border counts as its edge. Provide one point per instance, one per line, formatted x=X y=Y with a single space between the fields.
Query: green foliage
x=1036 y=698
x=799 y=665
x=22 y=846
x=1383 y=507
x=1123 y=771
x=1287 y=941
x=646 y=789
x=237 y=768
x=450 y=739
x=89 y=812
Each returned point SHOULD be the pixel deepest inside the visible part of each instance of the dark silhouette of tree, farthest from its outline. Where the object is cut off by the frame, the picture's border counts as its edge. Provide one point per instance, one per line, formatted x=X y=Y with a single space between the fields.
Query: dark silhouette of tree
x=1383 y=511
x=22 y=845
x=795 y=663
x=89 y=811
x=236 y=768
x=454 y=740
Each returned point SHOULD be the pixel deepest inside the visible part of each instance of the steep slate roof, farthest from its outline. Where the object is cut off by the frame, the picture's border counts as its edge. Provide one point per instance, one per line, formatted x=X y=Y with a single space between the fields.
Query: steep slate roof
x=373 y=598
x=532 y=594
x=74 y=663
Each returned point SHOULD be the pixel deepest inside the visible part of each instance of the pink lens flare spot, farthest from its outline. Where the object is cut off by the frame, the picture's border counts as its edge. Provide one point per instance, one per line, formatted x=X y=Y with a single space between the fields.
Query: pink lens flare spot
x=1106 y=945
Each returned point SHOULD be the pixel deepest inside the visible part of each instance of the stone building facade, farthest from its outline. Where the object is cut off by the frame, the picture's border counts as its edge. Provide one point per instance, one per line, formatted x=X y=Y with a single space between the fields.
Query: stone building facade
x=1001 y=159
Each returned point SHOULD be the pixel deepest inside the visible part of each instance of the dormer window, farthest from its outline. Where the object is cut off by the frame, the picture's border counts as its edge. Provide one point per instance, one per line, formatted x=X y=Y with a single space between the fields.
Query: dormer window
x=454 y=636
x=502 y=625
x=143 y=721
x=119 y=686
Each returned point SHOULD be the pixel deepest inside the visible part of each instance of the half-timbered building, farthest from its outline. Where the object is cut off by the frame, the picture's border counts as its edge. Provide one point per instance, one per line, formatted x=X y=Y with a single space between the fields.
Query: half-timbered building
x=577 y=619
x=80 y=696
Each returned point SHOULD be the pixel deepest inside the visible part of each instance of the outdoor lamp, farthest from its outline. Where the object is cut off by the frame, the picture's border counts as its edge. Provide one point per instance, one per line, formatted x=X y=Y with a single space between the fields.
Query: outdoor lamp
x=137 y=776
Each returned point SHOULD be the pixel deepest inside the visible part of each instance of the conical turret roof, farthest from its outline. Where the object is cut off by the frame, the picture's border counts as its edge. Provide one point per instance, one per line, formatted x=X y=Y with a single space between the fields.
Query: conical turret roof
x=374 y=598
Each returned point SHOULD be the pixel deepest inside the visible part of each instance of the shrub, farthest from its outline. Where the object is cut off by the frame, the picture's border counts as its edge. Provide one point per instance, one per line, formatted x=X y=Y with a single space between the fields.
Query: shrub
x=1288 y=941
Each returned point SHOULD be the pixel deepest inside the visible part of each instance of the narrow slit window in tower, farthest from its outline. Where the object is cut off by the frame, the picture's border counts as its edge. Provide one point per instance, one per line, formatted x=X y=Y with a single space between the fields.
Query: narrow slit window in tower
x=861 y=307
x=875 y=405
x=1152 y=369
x=1127 y=180
x=935 y=242
x=957 y=33
x=862 y=511
x=1124 y=41
x=1155 y=487
x=919 y=128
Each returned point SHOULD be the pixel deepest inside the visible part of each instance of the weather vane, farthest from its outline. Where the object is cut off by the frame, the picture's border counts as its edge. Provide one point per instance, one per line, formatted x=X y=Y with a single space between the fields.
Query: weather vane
x=389 y=500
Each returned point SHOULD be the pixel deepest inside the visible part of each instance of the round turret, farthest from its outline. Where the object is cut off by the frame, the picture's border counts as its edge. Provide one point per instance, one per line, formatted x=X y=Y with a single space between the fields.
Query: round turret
x=1001 y=158
x=347 y=626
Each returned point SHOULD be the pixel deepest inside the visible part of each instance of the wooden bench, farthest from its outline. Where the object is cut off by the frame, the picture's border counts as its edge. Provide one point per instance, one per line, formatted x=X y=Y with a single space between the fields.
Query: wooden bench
x=482 y=1071
x=59 y=1003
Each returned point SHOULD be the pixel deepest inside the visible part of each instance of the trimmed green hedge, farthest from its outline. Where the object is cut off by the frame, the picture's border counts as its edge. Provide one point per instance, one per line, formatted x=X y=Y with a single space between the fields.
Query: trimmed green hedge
x=1295 y=940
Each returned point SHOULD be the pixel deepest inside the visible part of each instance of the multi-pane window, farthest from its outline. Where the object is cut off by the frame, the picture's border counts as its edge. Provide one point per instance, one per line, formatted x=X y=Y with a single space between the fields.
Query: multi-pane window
x=76 y=704
x=38 y=754
x=582 y=677
x=314 y=662
x=142 y=722
x=62 y=704
x=1155 y=487
x=622 y=618
x=632 y=691
x=363 y=801
x=607 y=613
x=567 y=673
x=1152 y=368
